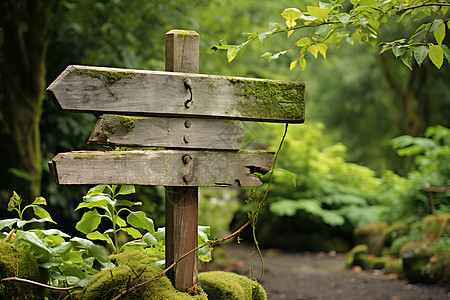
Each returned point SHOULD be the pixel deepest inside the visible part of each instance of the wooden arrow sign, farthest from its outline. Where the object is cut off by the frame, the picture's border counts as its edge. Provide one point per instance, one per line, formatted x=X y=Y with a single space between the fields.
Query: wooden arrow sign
x=161 y=167
x=151 y=93
x=191 y=133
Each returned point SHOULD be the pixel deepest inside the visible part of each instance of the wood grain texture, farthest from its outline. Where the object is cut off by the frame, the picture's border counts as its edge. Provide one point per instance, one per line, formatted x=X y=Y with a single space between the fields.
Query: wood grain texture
x=167 y=132
x=151 y=93
x=161 y=167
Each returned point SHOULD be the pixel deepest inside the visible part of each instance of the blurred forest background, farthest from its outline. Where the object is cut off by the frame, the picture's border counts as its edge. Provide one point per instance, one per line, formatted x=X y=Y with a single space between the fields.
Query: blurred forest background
x=345 y=167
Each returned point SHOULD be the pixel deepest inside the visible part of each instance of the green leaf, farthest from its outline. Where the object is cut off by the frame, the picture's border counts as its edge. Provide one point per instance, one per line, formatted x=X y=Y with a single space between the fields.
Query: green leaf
x=42 y=213
x=290 y=15
x=323 y=49
x=293 y=64
x=436 y=25
x=314 y=50
x=98 y=189
x=407 y=59
x=398 y=50
x=319 y=13
x=204 y=253
x=7 y=223
x=231 y=53
x=203 y=232
x=99 y=236
x=138 y=219
x=420 y=53
x=136 y=234
x=99 y=200
x=126 y=190
x=302 y=63
x=40 y=251
x=39 y=201
x=89 y=221
x=127 y=203
x=291 y=176
x=149 y=239
x=303 y=42
x=121 y=222
x=22 y=223
x=436 y=54
x=439 y=34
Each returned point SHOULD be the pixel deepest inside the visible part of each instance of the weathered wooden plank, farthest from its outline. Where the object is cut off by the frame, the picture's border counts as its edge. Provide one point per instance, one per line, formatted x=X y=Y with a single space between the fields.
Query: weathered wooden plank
x=167 y=132
x=152 y=93
x=161 y=167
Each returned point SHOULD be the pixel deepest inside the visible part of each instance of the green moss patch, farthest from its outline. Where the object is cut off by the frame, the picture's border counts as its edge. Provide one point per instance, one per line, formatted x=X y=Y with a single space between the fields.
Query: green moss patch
x=133 y=266
x=270 y=99
x=221 y=285
x=16 y=263
x=129 y=123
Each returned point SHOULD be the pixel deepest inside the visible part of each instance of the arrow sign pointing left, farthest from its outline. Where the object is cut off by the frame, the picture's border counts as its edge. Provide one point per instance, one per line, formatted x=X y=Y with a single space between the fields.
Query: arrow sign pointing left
x=151 y=93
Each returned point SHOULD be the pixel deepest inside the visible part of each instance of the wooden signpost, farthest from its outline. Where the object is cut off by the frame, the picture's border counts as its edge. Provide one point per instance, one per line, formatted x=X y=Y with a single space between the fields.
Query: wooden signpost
x=196 y=118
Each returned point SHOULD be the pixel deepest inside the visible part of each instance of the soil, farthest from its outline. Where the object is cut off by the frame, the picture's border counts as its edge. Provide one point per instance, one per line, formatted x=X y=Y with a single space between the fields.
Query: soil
x=323 y=276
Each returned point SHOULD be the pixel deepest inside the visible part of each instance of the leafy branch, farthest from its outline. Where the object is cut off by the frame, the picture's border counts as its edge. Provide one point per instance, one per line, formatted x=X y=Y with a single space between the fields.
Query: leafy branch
x=332 y=23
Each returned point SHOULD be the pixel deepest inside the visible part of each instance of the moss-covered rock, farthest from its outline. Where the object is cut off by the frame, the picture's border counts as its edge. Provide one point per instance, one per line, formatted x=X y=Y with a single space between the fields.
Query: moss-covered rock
x=394 y=266
x=435 y=226
x=133 y=266
x=16 y=263
x=372 y=236
x=394 y=237
x=221 y=285
x=357 y=250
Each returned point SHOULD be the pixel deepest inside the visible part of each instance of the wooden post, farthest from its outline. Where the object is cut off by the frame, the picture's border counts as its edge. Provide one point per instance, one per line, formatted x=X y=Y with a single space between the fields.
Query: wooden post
x=182 y=55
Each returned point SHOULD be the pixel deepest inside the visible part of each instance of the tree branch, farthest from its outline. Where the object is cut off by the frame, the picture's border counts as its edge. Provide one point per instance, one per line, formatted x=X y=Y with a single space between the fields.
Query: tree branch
x=40 y=284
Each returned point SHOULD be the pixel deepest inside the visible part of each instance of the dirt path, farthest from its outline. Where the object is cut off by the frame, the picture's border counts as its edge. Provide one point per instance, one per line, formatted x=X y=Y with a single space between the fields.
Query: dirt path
x=302 y=276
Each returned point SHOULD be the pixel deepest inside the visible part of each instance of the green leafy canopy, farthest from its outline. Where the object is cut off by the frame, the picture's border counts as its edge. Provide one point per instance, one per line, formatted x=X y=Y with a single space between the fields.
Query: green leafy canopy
x=330 y=23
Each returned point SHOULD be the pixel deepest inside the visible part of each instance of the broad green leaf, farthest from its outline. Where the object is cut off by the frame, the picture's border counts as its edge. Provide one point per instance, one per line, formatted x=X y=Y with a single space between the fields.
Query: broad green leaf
x=96 y=190
x=139 y=219
x=323 y=49
x=204 y=253
x=293 y=64
x=291 y=176
x=39 y=201
x=22 y=223
x=99 y=200
x=319 y=13
x=436 y=54
x=61 y=249
x=98 y=252
x=314 y=50
x=136 y=234
x=302 y=63
x=303 y=42
x=7 y=223
x=344 y=18
x=99 y=236
x=42 y=213
x=81 y=242
x=439 y=34
x=54 y=232
x=420 y=53
x=40 y=251
x=290 y=15
x=127 y=203
x=126 y=190
x=203 y=232
x=89 y=221
x=149 y=239
x=231 y=53
x=121 y=222
x=407 y=59
x=436 y=25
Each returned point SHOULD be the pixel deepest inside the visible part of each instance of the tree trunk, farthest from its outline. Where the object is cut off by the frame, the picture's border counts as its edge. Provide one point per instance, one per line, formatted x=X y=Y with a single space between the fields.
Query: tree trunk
x=24 y=44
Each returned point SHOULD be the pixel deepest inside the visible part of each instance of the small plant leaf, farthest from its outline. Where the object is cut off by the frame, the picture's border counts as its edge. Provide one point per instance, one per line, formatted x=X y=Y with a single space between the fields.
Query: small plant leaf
x=436 y=54
x=132 y=231
x=420 y=53
x=138 y=219
x=232 y=52
x=439 y=34
x=99 y=236
x=42 y=213
x=39 y=201
x=14 y=201
x=407 y=59
x=7 y=223
x=290 y=15
x=98 y=189
x=89 y=221
x=126 y=190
